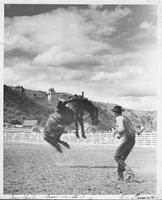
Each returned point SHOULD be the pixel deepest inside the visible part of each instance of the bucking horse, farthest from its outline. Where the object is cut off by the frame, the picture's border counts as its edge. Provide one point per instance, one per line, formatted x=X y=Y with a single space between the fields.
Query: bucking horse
x=66 y=115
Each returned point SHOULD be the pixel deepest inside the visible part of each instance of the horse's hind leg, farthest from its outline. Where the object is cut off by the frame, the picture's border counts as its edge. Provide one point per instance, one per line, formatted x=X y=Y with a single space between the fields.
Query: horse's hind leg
x=53 y=142
x=64 y=143
x=58 y=148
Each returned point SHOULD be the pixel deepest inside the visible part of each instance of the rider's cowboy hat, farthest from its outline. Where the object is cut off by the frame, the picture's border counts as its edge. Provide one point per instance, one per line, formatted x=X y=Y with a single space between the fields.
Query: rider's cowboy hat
x=117 y=109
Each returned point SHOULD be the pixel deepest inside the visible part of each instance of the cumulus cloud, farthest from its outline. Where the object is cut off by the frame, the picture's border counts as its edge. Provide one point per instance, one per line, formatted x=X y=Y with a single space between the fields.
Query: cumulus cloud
x=23 y=73
x=105 y=21
x=64 y=48
x=146 y=25
x=57 y=56
x=19 y=53
x=139 y=103
x=100 y=76
x=11 y=77
x=133 y=74
x=139 y=92
x=125 y=84
x=67 y=27
x=145 y=37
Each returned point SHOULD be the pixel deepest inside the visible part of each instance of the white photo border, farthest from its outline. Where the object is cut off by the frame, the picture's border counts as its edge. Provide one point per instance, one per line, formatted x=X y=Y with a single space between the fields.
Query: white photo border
x=159 y=109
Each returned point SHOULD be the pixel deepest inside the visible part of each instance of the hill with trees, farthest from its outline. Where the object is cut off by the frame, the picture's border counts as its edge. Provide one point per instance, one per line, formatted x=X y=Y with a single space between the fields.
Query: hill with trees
x=21 y=104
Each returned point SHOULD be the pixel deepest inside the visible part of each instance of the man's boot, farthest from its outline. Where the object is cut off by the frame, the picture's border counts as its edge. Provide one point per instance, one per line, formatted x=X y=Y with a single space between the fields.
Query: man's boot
x=130 y=174
x=120 y=176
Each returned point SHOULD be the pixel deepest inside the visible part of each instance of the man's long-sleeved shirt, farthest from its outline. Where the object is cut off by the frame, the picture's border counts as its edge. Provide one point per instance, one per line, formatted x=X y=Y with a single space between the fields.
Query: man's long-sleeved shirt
x=124 y=127
x=53 y=100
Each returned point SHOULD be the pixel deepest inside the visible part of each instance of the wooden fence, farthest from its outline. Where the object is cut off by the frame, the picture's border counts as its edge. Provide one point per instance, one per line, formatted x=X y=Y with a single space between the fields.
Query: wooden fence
x=146 y=139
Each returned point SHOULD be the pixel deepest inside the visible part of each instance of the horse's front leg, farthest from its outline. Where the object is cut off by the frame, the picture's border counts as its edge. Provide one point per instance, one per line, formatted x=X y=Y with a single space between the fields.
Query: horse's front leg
x=76 y=127
x=82 y=126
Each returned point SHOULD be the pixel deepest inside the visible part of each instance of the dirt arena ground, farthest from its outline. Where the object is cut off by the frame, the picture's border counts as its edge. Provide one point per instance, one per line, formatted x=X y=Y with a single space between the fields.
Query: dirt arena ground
x=84 y=169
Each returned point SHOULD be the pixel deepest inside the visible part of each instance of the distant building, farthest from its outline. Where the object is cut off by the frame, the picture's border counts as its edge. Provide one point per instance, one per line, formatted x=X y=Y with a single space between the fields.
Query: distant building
x=30 y=123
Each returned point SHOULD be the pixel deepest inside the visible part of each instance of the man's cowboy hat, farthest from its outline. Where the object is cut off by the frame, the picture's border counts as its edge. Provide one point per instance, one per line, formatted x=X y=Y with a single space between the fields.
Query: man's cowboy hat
x=117 y=109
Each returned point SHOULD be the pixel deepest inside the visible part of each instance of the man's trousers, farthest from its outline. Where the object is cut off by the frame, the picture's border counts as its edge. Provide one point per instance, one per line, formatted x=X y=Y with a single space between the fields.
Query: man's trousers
x=122 y=152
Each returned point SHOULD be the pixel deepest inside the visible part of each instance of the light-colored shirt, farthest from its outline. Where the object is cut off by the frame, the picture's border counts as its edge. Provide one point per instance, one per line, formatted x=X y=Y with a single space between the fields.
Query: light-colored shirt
x=53 y=100
x=124 y=127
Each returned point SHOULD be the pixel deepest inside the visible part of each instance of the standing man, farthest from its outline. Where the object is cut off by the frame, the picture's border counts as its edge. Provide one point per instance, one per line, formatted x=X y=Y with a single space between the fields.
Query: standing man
x=124 y=131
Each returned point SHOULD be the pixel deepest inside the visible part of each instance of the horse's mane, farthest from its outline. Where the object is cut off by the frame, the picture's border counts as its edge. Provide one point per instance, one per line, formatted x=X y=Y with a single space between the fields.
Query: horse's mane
x=80 y=99
x=88 y=102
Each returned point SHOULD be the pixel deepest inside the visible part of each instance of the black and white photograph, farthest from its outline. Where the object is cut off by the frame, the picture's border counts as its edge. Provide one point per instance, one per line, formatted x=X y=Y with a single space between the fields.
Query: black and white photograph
x=80 y=100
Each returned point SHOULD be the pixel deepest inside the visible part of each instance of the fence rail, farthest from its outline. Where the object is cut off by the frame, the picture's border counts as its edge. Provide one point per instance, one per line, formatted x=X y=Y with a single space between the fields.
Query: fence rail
x=146 y=139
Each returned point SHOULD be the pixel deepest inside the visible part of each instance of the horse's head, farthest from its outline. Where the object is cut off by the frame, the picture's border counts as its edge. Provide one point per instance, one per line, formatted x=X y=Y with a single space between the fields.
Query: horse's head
x=93 y=111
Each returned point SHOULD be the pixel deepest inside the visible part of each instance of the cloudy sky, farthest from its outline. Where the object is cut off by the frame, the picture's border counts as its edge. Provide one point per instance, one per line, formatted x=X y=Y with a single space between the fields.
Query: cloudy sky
x=107 y=51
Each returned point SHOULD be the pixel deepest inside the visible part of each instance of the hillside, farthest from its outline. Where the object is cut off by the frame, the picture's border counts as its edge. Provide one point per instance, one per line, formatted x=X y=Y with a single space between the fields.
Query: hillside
x=21 y=104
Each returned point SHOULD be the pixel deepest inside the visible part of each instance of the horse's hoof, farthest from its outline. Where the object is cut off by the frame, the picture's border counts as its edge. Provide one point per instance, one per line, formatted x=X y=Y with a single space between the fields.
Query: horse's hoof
x=84 y=136
x=67 y=145
x=77 y=136
x=59 y=150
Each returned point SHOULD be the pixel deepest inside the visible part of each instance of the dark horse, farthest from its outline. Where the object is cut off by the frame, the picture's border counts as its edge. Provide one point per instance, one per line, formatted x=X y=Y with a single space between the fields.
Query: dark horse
x=79 y=105
x=56 y=123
